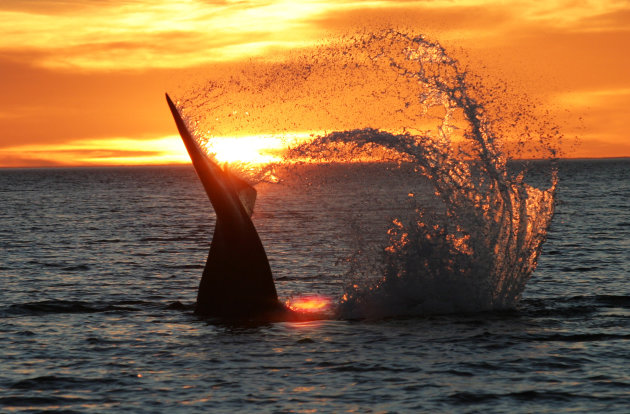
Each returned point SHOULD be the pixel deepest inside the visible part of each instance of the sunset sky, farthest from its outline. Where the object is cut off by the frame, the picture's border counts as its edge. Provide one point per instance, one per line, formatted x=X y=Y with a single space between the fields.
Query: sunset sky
x=83 y=82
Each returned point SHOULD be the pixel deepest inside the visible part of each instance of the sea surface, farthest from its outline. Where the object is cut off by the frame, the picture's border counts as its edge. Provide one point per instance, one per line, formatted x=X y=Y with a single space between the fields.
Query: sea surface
x=99 y=269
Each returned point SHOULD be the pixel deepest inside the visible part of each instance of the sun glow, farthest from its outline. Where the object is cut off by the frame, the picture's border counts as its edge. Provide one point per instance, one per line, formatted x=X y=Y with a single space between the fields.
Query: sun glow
x=249 y=150
x=254 y=149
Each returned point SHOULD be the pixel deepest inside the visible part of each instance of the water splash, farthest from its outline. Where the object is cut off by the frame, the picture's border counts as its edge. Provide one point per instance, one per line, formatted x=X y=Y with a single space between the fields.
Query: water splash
x=469 y=245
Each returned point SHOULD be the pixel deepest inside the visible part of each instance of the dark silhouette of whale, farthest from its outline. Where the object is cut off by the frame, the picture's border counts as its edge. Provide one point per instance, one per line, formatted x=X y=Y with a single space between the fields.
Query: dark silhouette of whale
x=237 y=280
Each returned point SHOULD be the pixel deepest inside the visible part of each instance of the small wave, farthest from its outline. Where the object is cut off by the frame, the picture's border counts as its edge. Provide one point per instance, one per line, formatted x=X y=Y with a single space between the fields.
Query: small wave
x=177 y=305
x=359 y=367
x=614 y=300
x=104 y=241
x=586 y=337
x=580 y=269
x=185 y=266
x=575 y=306
x=47 y=307
x=298 y=278
x=165 y=239
x=22 y=401
x=546 y=396
x=609 y=381
x=53 y=382
x=557 y=307
x=76 y=268
x=471 y=397
x=62 y=266
x=46 y=264
x=536 y=395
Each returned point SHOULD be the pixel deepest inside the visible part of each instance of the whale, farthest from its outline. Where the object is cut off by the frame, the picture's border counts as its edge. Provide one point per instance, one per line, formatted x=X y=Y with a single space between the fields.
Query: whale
x=237 y=281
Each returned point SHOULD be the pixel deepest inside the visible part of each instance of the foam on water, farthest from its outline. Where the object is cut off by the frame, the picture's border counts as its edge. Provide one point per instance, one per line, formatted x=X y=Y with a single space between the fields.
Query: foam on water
x=469 y=244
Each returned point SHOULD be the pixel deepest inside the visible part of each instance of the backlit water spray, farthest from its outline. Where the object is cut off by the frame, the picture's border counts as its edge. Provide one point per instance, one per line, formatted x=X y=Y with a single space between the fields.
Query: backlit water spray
x=474 y=228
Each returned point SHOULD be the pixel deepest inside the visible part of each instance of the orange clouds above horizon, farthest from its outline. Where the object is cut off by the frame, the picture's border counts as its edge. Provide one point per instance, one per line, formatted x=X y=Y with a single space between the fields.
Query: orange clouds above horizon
x=83 y=84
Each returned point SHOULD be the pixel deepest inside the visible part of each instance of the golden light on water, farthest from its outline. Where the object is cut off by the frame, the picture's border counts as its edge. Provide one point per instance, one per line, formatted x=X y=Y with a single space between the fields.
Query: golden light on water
x=311 y=303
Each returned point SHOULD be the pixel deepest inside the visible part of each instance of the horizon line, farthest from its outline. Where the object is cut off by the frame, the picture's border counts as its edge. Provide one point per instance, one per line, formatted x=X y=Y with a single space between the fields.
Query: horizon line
x=42 y=167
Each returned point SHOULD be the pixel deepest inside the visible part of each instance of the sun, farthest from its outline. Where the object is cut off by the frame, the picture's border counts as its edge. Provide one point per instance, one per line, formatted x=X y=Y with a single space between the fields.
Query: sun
x=253 y=149
x=246 y=150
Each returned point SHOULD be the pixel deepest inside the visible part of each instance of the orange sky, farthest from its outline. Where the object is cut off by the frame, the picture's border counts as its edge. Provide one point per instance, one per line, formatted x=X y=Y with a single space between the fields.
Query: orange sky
x=82 y=83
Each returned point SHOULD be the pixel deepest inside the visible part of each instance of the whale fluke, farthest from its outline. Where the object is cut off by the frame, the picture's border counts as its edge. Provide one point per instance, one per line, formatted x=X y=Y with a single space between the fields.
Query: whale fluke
x=237 y=279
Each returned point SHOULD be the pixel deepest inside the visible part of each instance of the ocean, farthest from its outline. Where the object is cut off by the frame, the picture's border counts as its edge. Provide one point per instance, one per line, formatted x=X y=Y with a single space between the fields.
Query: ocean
x=99 y=269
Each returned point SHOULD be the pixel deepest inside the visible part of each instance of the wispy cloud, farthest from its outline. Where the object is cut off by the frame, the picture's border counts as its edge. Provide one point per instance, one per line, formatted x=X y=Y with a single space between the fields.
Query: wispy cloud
x=74 y=72
x=111 y=151
x=145 y=34
x=120 y=34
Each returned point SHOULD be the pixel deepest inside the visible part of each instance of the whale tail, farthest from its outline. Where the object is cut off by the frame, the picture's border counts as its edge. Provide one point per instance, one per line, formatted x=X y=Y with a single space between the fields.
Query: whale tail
x=237 y=280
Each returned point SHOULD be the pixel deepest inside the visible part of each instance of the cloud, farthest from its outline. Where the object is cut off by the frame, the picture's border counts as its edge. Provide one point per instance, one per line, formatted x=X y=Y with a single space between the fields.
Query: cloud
x=98 y=68
x=595 y=97
x=608 y=21
x=426 y=17
x=589 y=147
x=41 y=106
x=18 y=161
x=598 y=116
x=108 y=151
x=61 y=158
x=119 y=35
x=143 y=34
